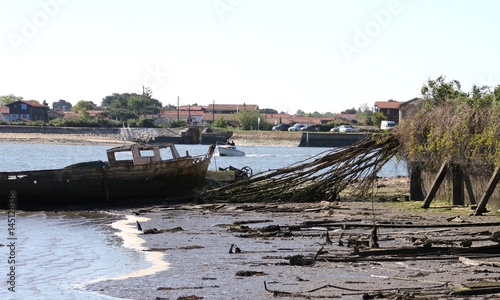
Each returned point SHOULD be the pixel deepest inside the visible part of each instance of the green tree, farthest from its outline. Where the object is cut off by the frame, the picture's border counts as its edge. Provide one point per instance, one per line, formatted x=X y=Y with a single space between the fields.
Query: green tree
x=84 y=105
x=377 y=118
x=134 y=104
x=300 y=113
x=170 y=107
x=364 y=114
x=268 y=111
x=437 y=92
x=249 y=119
x=221 y=123
x=62 y=105
x=350 y=111
x=7 y=99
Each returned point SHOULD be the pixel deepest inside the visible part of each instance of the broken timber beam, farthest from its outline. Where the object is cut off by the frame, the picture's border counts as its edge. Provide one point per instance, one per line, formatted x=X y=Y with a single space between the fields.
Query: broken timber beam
x=470 y=191
x=481 y=208
x=435 y=186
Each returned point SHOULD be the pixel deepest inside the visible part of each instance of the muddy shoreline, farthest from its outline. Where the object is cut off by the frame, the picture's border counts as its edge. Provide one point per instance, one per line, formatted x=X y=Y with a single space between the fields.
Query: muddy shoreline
x=196 y=241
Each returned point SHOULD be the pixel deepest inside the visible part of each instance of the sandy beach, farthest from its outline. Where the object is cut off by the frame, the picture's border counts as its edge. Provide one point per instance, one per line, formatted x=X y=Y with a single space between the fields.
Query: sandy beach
x=68 y=139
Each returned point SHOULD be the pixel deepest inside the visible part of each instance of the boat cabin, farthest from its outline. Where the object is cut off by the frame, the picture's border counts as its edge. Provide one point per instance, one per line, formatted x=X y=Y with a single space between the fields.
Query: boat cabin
x=141 y=154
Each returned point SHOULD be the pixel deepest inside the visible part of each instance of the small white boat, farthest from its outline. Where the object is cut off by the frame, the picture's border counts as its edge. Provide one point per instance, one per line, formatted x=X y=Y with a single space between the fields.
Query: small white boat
x=229 y=150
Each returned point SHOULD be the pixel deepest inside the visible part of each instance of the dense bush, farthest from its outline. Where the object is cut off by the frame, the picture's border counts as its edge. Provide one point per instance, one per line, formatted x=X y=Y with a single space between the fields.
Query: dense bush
x=451 y=125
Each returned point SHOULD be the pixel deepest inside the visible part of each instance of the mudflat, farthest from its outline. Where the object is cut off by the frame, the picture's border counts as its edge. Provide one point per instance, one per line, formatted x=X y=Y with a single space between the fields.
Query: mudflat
x=323 y=250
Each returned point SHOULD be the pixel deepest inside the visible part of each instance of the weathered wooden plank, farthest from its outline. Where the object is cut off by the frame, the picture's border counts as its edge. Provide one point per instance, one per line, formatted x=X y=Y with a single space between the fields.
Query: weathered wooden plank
x=435 y=186
x=481 y=208
x=470 y=190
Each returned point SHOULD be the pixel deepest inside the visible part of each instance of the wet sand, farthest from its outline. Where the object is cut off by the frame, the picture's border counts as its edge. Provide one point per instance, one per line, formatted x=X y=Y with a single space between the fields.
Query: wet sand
x=62 y=139
x=196 y=242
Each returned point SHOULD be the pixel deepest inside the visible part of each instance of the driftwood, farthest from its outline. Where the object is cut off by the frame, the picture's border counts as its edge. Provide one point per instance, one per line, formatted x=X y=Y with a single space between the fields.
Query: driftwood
x=319 y=178
x=299 y=260
x=481 y=288
x=469 y=262
x=367 y=294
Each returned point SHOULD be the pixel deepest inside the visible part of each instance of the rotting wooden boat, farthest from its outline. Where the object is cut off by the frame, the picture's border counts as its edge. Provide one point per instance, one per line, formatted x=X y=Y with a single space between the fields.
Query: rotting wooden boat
x=137 y=171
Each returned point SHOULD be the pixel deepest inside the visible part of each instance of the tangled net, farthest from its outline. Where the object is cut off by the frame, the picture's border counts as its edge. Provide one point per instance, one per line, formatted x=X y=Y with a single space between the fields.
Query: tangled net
x=318 y=178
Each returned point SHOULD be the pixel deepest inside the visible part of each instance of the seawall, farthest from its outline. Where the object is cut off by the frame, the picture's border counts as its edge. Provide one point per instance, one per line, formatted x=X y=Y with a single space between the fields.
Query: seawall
x=297 y=139
x=183 y=136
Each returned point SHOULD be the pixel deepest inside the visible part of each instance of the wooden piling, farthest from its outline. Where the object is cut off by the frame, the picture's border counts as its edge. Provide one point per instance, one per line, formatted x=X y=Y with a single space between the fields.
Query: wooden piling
x=435 y=186
x=481 y=208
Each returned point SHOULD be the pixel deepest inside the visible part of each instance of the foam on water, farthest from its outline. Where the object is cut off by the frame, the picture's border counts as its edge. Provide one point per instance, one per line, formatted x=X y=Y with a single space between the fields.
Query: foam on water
x=57 y=254
x=127 y=230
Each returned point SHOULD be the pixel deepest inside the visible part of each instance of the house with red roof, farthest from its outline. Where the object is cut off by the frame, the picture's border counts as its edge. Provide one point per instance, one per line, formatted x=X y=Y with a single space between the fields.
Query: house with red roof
x=390 y=109
x=27 y=110
x=230 y=108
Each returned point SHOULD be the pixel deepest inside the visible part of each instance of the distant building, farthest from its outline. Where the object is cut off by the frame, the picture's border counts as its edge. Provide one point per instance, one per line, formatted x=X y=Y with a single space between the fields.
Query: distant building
x=390 y=109
x=54 y=114
x=410 y=107
x=27 y=111
x=192 y=117
x=230 y=108
x=4 y=114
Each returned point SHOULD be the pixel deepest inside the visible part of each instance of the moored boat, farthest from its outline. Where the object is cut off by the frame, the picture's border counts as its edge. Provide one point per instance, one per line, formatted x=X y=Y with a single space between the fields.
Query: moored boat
x=137 y=171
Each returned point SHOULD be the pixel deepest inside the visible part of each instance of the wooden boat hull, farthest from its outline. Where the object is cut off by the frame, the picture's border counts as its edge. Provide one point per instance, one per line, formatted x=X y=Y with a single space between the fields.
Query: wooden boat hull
x=90 y=183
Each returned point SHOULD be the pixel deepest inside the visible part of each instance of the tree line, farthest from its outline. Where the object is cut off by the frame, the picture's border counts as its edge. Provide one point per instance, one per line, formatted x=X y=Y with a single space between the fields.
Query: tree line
x=132 y=109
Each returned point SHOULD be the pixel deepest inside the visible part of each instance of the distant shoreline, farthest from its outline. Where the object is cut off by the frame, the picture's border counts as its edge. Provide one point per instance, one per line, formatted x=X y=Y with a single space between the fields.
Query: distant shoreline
x=103 y=136
x=62 y=139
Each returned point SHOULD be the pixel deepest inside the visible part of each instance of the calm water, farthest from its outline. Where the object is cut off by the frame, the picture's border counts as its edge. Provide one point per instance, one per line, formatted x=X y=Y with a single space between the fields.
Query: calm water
x=57 y=253
x=18 y=157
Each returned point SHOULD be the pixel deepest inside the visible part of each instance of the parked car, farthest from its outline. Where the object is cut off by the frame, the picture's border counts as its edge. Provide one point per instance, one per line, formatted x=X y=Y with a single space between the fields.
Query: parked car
x=310 y=128
x=335 y=129
x=387 y=125
x=345 y=128
x=296 y=127
x=281 y=127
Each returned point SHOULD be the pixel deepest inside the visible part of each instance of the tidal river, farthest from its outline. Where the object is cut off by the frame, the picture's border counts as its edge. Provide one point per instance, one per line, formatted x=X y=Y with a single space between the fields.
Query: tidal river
x=52 y=255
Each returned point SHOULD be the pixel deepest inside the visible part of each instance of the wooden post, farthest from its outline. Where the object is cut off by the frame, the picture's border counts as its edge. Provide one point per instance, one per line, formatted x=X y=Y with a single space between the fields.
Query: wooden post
x=458 y=195
x=435 y=186
x=489 y=191
x=416 y=192
x=470 y=191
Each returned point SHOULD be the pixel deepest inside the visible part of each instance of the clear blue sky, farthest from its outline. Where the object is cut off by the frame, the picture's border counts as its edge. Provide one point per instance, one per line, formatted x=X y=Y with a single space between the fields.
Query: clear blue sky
x=313 y=55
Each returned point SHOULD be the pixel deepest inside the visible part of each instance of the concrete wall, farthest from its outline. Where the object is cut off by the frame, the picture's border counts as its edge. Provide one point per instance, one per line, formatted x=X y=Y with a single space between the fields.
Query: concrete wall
x=313 y=139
